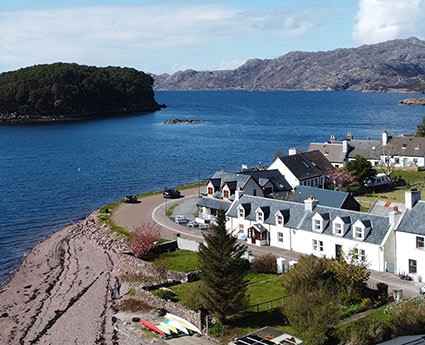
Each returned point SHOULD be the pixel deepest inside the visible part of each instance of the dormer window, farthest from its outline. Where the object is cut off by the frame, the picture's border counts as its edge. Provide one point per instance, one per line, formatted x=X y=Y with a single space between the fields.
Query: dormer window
x=210 y=190
x=358 y=233
x=338 y=229
x=317 y=225
x=279 y=220
x=241 y=212
x=361 y=229
x=260 y=216
x=225 y=194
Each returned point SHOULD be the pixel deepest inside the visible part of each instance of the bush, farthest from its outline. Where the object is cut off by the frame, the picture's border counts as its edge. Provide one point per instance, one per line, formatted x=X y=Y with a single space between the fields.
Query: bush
x=265 y=264
x=217 y=330
x=409 y=317
x=167 y=294
x=366 y=331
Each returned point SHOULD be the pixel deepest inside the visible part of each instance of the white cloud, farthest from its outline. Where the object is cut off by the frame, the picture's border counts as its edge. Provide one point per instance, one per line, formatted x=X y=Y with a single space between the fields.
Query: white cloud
x=382 y=20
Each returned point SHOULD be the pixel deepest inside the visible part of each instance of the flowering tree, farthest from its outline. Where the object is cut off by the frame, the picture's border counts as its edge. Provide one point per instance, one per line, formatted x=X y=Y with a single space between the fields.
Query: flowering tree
x=144 y=239
x=340 y=177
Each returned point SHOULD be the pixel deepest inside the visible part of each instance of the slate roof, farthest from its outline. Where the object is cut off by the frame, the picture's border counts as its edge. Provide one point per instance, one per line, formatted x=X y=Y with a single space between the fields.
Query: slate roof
x=406 y=340
x=307 y=165
x=325 y=197
x=408 y=146
x=299 y=218
x=414 y=220
x=215 y=204
x=369 y=149
x=273 y=176
x=333 y=151
x=233 y=180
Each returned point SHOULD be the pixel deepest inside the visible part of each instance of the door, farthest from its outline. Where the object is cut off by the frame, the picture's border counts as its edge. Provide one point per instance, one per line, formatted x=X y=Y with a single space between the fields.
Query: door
x=338 y=250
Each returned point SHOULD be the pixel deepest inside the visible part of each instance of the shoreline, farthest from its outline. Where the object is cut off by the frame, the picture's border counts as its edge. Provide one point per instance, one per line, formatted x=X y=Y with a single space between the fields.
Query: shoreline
x=60 y=280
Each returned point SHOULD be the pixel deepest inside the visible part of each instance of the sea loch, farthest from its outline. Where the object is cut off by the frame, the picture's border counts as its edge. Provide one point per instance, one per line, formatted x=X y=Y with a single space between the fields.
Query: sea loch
x=53 y=174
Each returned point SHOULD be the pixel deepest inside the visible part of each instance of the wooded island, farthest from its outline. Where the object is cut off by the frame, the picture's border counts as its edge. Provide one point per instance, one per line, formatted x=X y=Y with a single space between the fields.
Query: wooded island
x=68 y=91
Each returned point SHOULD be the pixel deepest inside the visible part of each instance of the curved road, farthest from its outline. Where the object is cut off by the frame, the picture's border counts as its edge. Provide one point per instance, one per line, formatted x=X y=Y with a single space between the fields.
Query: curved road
x=153 y=209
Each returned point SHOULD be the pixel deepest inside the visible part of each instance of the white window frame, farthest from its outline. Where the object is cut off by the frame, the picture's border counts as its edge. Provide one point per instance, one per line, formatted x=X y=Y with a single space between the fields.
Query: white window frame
x=280 y=237
x=338 y=228
x=356 y=231
x=241 y=229
x=241 y=212
x=317 y=224
x=279 y=220
x=420 y=245
x=260 y=216
x=317 y=246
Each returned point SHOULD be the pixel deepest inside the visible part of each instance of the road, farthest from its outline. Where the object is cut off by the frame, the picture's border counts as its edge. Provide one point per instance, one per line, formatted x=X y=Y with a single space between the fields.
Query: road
x=153 y=209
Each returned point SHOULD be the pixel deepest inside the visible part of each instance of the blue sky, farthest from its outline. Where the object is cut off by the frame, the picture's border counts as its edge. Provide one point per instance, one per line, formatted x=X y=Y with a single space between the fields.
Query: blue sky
x=167 y=36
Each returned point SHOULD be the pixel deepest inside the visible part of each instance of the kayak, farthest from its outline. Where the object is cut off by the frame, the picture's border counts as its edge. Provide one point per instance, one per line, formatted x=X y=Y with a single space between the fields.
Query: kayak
x=152 y=327
x=184 y=322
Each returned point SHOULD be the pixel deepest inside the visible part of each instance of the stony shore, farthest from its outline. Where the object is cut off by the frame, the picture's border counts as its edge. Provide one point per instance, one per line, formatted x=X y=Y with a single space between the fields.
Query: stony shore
x=58 y=294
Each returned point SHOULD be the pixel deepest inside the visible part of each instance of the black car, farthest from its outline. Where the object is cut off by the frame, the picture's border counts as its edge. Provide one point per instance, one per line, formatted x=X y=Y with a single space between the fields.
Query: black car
x=130 y=199
x=171 y=193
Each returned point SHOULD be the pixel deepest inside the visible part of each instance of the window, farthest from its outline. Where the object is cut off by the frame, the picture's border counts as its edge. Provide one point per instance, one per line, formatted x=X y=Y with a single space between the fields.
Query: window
x=210 y=190
x=226 y=194
x=358 y=233
x=241 y=212
x=241 y=228
x=397 y=160
x=279 y=219
x=412 y=266
x=317 y=246
x=317 y=224
x=260 y=216
x=280 y=237
x=362 y=254
x=419 y=242
x=337 y=228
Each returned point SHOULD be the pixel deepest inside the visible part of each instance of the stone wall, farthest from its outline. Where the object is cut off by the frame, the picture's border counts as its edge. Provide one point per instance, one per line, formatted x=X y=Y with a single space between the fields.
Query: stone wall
x=186 y=244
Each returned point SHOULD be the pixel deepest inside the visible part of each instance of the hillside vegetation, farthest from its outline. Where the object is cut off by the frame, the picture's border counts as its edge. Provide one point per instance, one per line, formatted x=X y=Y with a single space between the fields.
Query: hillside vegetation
x=397 y=65
x=72 y=91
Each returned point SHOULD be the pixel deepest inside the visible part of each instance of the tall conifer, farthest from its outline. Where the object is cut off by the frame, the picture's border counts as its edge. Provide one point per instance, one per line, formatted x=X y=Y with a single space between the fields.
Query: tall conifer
x=222 y=271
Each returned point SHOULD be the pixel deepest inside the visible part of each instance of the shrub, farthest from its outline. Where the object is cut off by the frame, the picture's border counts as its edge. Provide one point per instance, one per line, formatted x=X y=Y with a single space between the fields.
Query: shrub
x=265 y=264
x=167 y=294
x=217 y=330
x=366 y=331
x=144 y=239
x=409 y=317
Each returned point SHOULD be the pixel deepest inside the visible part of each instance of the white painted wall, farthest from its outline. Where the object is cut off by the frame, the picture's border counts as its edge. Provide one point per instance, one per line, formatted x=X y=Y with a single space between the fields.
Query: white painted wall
x=289 y=176
x=405 y=250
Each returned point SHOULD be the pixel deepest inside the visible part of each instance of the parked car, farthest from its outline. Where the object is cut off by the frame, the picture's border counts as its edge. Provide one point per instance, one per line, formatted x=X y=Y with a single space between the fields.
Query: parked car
x=130 y=199
x=203 y=226
x=180 y=219
x=193 y=224
x=422 y=289
x=171 y=193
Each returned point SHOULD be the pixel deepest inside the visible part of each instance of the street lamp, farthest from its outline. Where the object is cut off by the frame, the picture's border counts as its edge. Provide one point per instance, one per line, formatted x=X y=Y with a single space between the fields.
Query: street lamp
x=165 y=202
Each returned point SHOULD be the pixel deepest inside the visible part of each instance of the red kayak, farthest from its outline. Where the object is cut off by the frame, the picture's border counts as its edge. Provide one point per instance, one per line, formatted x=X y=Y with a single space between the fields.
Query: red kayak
x=152 y=327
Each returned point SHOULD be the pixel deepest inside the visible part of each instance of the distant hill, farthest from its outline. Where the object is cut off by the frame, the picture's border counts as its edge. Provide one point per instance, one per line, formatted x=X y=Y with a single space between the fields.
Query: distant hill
x=63 y=91
x=397 y=65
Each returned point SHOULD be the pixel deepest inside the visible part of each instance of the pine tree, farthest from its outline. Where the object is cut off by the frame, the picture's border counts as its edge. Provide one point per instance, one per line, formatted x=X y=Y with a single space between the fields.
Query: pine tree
x=222 y=272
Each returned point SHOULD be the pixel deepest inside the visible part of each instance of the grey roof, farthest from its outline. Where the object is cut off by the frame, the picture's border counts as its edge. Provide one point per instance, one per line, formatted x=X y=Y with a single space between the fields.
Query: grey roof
x=299 y=218
x=369 y=149
x=213 y=203
x=273 y=176
x=333 y=151
x=414 y=220
x=307 y=165
x=407 y=146
x=325 y=197
x=234 y=180
x=384 y=207
x=406 y=340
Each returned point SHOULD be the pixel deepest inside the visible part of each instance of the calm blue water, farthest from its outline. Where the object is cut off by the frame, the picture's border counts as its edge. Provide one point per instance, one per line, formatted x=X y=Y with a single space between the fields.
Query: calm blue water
x=53 y=174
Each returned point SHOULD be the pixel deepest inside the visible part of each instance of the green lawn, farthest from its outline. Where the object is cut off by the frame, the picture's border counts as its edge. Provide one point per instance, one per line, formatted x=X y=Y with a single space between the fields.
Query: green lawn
x=180 y=260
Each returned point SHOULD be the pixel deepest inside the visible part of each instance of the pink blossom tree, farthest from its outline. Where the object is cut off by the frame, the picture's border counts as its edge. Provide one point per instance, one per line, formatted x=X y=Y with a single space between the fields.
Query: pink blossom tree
x=144 y=239
x=340 y=177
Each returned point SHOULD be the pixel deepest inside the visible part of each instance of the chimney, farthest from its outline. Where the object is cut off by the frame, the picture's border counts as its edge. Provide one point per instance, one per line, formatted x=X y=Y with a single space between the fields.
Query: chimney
x=238 y=194
x=344 y=146
x=384 y=138
x=310 y=203
x=292 y=151
x=394 y=215
x=349 y=136
x=333 y=138
x=411 y=197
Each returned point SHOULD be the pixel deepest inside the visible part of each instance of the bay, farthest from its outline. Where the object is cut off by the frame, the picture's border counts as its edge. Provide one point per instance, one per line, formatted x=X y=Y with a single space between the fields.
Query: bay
x=54 y=174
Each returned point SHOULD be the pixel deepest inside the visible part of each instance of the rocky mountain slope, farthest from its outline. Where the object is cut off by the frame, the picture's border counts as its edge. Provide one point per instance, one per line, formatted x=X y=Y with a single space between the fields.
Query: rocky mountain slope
x=397 y=65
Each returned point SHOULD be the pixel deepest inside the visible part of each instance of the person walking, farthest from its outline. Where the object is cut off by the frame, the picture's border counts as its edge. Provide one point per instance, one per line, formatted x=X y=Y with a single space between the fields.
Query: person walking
x=112 y=292
x=118 y=287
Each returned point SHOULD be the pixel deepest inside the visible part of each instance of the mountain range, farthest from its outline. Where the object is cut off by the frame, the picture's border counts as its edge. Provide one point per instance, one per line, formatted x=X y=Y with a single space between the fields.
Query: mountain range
x=396 y=65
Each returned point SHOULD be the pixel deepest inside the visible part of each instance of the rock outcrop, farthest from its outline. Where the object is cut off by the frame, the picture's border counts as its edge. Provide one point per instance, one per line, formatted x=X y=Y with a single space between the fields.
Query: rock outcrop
x=413 y=101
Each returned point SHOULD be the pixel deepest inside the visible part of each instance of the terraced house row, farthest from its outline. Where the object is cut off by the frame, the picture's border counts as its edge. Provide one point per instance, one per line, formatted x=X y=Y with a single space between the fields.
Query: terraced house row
x=394 y=242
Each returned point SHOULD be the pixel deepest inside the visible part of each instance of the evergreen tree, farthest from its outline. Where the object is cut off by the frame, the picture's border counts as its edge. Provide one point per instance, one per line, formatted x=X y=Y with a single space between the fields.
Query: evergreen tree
x=361 y=169
x=222 y=272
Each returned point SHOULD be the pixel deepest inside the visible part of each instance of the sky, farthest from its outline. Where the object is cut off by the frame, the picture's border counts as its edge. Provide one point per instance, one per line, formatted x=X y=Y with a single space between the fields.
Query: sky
x=166 y=36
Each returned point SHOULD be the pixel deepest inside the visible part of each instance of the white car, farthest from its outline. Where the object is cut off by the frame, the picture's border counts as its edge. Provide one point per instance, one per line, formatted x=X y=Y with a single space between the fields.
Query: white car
x=422 y=290
x=193 y=224
x=180 y=219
